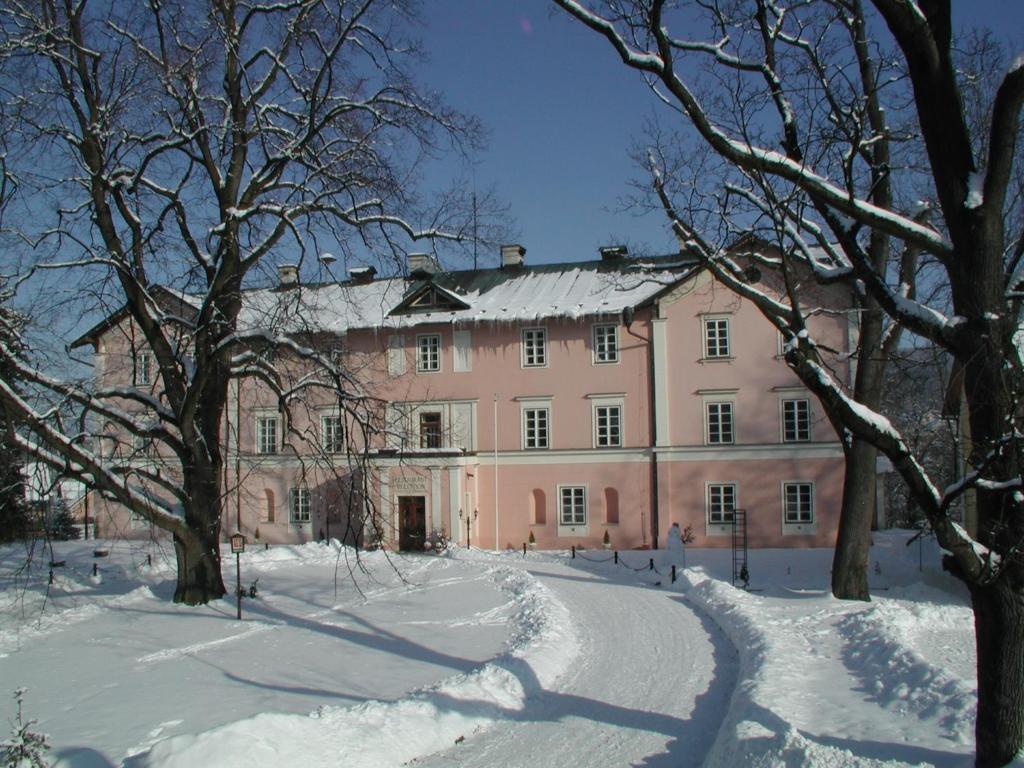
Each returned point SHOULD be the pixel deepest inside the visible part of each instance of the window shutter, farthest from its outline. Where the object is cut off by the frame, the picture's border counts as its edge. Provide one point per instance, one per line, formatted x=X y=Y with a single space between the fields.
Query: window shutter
x=463 y=351
x=396 y=355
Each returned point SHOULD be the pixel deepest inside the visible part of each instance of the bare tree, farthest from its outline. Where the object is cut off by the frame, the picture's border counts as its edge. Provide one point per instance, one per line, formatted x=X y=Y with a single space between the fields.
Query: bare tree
x=830 y=90
x=164 y=151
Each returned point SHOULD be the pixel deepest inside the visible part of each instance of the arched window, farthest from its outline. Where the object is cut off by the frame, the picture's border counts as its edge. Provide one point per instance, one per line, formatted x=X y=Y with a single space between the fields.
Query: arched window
x=611 y=506
x=538 y=507
x=268 y=512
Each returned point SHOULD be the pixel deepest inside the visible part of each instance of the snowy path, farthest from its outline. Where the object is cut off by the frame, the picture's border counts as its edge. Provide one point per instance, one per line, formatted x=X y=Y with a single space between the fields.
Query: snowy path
x=619 y=704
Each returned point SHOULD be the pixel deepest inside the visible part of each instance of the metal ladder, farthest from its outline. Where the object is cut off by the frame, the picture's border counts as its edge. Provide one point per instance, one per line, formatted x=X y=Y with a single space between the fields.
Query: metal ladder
x=739 y=548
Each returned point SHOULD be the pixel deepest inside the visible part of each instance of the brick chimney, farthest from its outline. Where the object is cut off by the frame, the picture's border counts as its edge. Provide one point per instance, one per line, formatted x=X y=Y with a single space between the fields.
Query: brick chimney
x=287 y=275
x=512 y=255
x=421 y=264
x=613 y=252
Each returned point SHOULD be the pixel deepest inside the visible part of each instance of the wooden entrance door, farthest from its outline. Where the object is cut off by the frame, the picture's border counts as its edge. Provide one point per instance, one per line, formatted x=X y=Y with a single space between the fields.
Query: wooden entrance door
x=412 y=523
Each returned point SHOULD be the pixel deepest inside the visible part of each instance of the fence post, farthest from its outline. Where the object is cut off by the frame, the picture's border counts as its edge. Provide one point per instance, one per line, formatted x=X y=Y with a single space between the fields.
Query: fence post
x=95 y=570
x=673 y=573
x=616 y=557
x=524 y=549
x=573 y=551
x=652 y=564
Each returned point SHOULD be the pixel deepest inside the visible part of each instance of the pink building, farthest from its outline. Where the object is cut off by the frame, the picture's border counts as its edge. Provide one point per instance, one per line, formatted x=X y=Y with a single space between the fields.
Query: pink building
x=558 y=401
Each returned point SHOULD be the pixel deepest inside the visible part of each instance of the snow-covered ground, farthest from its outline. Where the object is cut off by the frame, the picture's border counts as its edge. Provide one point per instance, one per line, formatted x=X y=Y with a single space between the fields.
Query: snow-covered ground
x=481 y=659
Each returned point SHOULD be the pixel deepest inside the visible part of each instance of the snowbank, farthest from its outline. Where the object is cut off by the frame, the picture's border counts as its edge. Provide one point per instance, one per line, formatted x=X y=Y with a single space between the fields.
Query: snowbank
x=542 y=643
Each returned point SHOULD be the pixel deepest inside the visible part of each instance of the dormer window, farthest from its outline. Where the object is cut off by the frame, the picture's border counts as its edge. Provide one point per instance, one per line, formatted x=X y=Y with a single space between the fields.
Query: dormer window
x=429 y=299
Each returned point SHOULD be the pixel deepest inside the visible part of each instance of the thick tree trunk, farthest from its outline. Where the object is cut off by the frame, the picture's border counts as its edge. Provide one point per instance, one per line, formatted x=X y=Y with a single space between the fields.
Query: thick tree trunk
x=853 y=543
x=199 y=576
x=999 y=630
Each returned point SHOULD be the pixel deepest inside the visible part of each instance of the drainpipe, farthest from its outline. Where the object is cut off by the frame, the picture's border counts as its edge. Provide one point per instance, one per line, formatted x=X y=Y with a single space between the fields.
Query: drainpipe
x=497 y=540
x=627 y=319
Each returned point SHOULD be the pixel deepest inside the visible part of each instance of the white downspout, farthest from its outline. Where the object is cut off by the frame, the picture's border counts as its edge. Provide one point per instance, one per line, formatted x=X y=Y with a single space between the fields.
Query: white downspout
x=496 y=537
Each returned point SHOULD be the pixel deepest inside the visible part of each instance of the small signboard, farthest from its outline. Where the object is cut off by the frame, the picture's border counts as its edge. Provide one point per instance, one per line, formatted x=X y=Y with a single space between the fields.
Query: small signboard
x=238 y=543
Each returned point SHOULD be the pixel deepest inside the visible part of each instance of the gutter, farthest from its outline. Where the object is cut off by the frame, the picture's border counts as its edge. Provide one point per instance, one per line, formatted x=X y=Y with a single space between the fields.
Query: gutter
x=627 y=319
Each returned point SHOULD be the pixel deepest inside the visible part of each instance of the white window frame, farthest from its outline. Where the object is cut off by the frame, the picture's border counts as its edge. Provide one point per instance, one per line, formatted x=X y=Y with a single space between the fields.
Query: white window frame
x=608 y=440
x=799 y=404
x=717 y=404
x=428 y=360
x=421 y=436
x=300 y=505
x=798 y=524
x=536 y=444
x=715 y=346
x=534 y=344
x=143 y=369
x=605 y=352
x=578 y=492
x=331 y=442
x=261 y=446
x=710 y=491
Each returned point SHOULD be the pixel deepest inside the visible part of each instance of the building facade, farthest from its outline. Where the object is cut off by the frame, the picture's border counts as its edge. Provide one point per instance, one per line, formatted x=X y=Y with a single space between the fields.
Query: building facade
x=555 y=403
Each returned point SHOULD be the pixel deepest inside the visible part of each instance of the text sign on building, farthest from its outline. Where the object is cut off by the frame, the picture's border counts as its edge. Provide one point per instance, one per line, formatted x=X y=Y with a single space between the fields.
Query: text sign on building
x=414 y=484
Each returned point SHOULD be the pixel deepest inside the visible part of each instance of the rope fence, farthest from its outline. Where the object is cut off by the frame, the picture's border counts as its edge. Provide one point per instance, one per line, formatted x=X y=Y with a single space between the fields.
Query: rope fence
x=618 y=561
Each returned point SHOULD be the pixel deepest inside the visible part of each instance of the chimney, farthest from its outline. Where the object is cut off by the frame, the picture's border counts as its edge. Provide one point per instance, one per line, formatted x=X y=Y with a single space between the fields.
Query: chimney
x=360 y=275
x=421 y=265
x=287 y=275
x=512 y=255
x=613 y=252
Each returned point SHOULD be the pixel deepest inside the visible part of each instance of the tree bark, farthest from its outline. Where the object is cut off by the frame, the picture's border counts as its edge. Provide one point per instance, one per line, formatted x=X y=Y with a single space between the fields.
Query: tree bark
x=999 y=632
x=199 y=576
x=853 y=542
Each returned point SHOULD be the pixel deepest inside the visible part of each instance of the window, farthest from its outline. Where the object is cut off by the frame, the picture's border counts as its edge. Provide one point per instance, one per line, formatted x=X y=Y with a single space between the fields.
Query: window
x=535 y=428
x=572 y=505
x=607 y=426
x=716 y=337
x=721 y=503
x=428 y=352
x=430 y=429
x=798 y=503
x=143 y=369
x=535 y=347
x=720 y=423
x=266 y=434
x=299 y=503
x=796 y=421
x=332 y=434
x=606 y=344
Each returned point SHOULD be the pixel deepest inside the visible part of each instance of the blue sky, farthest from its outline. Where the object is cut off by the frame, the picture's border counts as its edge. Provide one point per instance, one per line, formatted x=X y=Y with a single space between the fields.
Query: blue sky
x=563 y=112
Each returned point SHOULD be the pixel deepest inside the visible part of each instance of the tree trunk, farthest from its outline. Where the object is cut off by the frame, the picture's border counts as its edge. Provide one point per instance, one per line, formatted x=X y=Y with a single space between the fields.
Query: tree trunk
x=853 y=543
x=999 y=631
x=199 y=576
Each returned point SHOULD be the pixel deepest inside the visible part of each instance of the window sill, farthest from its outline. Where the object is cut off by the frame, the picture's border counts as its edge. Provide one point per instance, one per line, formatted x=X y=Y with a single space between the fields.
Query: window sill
x=799 y=529
x=717 y=529
x=721 y=359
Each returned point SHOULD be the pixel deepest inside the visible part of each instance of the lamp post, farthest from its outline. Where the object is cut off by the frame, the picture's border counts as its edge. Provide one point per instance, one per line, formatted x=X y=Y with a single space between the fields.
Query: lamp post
x=238 y=547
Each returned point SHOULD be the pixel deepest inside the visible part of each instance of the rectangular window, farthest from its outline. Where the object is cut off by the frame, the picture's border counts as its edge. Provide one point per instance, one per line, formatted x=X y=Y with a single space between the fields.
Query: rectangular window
x=720 y=423
x=716 y=337
x=428 y=352
x=332 y=434
x=299 y=505
x=266 y=434
x=798 y=503
x=608 y=426
x=721 y=503
x=430 y=429
x=535 y=428
x=535 y=347
x=572 y=506
x=143 y=369
x=606 y=344
x=796 y=421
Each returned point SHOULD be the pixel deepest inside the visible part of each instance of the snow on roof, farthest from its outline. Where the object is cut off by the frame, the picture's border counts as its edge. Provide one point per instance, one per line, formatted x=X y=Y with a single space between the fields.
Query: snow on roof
x=549 y=291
